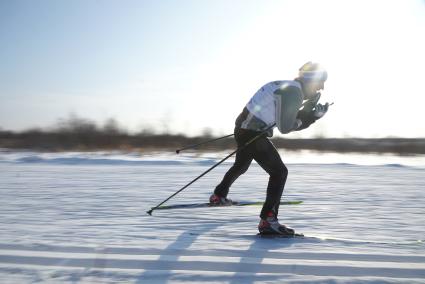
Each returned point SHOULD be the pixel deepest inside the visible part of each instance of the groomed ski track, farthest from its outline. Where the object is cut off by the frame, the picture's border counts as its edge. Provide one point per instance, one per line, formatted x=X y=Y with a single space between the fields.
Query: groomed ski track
x=87 y=223
x=251 y=265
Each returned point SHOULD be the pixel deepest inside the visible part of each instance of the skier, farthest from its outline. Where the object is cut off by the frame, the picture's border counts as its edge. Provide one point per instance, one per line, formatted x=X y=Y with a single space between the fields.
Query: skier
x=279 y=103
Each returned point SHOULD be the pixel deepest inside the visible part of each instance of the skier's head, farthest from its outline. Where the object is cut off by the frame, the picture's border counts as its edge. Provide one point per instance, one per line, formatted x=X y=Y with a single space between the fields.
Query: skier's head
x=312 y=76
x=312 y=72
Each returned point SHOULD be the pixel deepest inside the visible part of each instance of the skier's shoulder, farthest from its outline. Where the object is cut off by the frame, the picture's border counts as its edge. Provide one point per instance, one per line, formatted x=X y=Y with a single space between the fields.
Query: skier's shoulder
x=288 y=87
x=282 y=88
x=284 y=83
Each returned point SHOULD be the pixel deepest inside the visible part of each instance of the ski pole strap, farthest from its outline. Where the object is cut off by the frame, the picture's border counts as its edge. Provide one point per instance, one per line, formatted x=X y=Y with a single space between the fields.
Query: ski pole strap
x=265 y=131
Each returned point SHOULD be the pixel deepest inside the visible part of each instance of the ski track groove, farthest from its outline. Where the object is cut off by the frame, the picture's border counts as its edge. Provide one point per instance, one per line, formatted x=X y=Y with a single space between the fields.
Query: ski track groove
x=235 y=261
x=214 y=252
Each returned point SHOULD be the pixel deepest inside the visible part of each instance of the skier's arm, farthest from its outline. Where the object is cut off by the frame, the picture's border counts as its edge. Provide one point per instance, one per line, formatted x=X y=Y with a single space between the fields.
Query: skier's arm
x=288 y=102
x=308 y=117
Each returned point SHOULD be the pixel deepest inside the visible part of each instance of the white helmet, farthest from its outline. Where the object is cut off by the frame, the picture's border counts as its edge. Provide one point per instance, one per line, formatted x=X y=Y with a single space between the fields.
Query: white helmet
x=312 y=71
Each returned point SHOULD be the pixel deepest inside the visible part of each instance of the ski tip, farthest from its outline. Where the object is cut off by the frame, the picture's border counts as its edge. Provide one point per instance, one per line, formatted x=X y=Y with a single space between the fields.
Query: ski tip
x=295 y=202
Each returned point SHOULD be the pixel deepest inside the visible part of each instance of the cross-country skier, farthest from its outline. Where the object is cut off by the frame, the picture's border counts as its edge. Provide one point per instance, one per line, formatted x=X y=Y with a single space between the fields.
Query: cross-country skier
x=280 y=103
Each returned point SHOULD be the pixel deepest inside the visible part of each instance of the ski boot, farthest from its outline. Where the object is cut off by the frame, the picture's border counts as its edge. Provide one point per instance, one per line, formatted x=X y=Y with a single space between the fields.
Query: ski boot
x=271 y=226
x=216 y=200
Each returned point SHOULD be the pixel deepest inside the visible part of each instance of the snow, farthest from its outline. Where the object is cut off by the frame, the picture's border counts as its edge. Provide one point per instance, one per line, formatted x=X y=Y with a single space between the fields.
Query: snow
x=80 y=217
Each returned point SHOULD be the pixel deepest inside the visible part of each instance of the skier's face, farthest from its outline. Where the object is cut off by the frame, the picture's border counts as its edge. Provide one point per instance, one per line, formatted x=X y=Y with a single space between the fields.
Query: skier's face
x=312 y=87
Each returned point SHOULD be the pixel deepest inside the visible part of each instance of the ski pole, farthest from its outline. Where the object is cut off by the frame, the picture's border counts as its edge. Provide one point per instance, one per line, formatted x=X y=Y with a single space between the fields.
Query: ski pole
x=210 y=169
x=205 y=142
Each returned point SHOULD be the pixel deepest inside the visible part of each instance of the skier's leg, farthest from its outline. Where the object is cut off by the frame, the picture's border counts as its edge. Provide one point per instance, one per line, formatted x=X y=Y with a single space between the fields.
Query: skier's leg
x=269 y=159
x=242 y=162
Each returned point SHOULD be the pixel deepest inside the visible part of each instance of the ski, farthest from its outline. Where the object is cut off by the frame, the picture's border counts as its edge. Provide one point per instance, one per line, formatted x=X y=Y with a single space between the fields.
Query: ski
x=234 y=203
x=308 y=238
x=279 y=236
x=251 y=236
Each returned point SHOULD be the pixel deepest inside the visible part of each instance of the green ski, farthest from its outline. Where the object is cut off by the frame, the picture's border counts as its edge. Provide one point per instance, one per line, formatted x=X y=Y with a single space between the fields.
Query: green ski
x=234 y=203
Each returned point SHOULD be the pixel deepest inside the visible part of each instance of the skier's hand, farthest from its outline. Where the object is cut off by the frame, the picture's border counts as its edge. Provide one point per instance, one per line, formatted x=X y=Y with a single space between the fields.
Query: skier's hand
x=297 y=124
x=320 y=110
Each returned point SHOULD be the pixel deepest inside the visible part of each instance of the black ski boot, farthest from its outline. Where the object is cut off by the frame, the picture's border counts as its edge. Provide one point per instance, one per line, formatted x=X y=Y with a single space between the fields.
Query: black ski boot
x=271 y=226
x=216 y=200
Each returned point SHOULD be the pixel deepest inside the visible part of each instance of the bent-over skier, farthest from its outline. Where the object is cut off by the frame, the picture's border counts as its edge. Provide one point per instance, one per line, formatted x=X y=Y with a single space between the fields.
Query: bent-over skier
x=280 y=103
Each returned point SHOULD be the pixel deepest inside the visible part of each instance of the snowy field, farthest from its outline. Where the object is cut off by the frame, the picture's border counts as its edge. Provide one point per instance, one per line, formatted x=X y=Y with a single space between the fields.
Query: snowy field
x=81 y=218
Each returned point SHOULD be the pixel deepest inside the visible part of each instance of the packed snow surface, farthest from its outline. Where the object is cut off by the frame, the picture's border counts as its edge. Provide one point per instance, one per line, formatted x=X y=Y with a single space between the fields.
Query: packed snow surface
x=81 y=218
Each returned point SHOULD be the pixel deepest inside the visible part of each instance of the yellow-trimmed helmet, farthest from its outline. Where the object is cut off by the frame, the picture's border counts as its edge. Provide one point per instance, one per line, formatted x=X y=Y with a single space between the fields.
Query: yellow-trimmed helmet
x=312 y=71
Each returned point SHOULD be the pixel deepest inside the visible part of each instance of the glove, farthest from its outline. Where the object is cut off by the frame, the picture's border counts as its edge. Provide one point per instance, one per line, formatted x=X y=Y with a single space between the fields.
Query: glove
x=310 y=104
x=298 y=124
x=306 y=118
x=320 y=110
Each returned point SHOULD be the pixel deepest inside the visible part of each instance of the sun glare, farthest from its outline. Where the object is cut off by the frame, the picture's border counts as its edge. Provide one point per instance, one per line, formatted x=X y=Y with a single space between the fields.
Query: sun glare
x=363 y=46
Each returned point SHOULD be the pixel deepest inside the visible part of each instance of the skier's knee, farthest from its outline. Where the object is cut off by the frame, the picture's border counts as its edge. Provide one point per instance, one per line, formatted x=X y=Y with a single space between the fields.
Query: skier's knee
x=285 y=171
x=243 y=170
x=280 y=172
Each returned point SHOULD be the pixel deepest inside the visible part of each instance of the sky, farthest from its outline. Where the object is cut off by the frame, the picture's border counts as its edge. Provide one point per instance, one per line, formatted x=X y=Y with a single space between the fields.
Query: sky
x=187 y=66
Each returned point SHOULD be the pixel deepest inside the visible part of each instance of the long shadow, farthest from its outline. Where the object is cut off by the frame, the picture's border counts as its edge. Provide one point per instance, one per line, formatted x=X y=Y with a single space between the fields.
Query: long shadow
x=183 y=241
x=258 y=250
x=256 y=253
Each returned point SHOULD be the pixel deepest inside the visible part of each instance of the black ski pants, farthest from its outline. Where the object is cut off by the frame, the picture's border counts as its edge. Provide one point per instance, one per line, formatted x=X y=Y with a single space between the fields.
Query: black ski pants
x=265 y=154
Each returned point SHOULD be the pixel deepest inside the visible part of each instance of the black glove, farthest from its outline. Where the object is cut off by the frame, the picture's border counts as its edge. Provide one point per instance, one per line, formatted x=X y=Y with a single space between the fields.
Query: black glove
x=320 y=110
x=307 y=118
x=310 y=104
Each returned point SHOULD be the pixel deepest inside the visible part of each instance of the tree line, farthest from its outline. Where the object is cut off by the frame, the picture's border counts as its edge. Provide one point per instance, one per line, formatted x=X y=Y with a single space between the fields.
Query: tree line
x=84 y=135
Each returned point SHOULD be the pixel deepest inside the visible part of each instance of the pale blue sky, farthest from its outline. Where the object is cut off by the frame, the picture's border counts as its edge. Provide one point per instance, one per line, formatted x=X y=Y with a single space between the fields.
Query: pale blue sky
x=188 y=65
